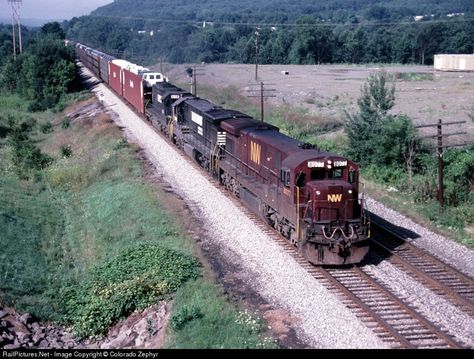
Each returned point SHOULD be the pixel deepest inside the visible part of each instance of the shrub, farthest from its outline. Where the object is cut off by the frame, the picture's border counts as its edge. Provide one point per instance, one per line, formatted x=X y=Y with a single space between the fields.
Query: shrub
x=26 y=157
x=66 y=151
x=47 y=127
x=132 y=280
x=65 y=123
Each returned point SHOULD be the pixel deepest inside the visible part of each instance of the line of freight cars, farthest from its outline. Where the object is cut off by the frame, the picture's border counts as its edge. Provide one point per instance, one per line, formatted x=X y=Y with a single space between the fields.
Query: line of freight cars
x=311 y=197
x=132 y=82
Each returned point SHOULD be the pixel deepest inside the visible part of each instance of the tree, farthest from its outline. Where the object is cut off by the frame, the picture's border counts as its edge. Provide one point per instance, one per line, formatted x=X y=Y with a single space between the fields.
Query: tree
x=459 y=175
x=428 y=38
x=44 y=72
x=403 y=50
x=375 y=136
x=313 y=44
x=54 y=29
x=351 y=45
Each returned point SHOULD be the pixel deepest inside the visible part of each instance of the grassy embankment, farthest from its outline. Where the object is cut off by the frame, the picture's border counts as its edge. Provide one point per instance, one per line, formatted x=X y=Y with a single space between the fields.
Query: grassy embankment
x=455 y=222
x=85 y=240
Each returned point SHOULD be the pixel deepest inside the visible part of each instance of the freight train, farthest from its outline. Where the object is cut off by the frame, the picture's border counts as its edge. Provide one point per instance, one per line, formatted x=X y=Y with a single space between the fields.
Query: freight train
x=310 y=197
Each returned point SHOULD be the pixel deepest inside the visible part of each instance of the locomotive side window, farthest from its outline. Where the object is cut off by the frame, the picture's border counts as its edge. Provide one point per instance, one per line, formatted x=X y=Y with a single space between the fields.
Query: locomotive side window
x=352 y=176
x=301 y=179
x=335 y=173
x=285 y=177
x=318 y=174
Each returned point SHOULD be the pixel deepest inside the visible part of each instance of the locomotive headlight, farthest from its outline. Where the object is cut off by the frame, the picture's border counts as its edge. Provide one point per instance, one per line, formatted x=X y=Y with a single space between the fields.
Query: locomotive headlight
x=350 y=191
x=318 y=193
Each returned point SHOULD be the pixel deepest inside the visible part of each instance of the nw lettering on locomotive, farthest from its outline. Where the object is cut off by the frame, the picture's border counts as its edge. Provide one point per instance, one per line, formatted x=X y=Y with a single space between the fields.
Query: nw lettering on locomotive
x=334 y=197
x=255 y=150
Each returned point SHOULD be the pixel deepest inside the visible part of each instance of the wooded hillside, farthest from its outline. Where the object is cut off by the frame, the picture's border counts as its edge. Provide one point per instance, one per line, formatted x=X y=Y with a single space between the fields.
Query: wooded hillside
x=310 y=32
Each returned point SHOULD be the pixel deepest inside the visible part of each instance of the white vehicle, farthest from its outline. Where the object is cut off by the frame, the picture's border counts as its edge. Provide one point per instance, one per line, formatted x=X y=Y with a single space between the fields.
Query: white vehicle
x=154 y=77
x=150 y=77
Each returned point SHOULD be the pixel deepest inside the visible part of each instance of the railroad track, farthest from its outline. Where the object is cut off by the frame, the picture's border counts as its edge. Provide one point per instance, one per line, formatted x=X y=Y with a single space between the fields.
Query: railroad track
x=440 y=277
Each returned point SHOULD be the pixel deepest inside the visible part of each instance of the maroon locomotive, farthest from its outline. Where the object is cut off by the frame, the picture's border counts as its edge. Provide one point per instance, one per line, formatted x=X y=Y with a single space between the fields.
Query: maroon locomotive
x=311 y=197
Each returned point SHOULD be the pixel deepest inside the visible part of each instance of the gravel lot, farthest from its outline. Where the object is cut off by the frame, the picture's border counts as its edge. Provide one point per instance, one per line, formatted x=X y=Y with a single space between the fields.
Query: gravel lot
x=422 y=93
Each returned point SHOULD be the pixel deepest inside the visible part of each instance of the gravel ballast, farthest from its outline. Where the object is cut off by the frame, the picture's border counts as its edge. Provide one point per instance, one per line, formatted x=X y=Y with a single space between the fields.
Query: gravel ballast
x=449 y=251
x=433 y=307
x=274 y=274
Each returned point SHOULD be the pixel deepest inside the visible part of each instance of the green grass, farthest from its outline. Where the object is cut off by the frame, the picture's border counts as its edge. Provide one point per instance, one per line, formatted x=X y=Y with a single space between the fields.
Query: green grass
x=204 y=319
x=85 y=241
x=26 y=217
x=455 y=222
x=295 y=122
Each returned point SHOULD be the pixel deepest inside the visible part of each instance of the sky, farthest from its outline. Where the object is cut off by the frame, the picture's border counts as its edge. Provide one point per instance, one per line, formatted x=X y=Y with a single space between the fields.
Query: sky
x=52 y=9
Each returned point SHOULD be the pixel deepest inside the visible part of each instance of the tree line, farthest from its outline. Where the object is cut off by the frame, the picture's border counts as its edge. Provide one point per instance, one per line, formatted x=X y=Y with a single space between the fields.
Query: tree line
x=285 y=11
x=310 y=41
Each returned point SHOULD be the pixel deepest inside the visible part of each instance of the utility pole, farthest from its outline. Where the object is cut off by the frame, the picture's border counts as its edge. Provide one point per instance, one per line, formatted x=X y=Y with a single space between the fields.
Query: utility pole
x=264 y=93
x=193 y=72
x=257 y=35
x=439 y=125
x=16 y=22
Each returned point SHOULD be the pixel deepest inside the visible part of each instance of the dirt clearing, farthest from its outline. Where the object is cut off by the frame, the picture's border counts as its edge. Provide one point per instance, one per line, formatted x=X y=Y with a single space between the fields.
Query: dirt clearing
x=422 y=93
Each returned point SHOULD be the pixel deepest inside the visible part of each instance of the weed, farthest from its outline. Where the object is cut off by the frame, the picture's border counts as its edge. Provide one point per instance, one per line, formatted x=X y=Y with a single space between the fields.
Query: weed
x=132 y=280
x=65 y=151
x=185 y=315
x=414 y=76
x=122 y=143
x=203 y=318
x=149 y=327
x=46 y=127
x=65 y=123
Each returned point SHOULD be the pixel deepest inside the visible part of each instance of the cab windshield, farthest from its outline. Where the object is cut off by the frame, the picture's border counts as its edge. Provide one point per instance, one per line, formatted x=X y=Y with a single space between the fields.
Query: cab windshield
x=319 y=174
